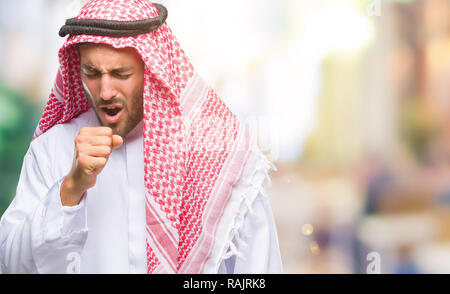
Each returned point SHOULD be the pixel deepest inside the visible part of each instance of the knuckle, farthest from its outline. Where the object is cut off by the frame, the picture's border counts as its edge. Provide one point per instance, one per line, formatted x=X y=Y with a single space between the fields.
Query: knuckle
x=82 y=160
x=107 y=149
x=79 y=139
x=83 y=131
x=102 y=161
x=108 y=141
x=80 y=147
x=108 y=131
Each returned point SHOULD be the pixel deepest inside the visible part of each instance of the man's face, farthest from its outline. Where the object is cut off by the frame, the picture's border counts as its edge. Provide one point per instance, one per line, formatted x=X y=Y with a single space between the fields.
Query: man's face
x=115 y=79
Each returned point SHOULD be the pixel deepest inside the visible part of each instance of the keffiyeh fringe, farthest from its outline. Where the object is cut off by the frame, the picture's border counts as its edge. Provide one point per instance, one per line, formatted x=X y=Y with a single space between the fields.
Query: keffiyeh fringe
x=252 y=184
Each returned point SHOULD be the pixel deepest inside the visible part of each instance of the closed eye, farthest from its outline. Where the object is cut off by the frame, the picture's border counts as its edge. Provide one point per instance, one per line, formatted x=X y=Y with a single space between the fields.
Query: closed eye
x=122 y=76
x=122 y=73
x=90 y=72
x=92 y=75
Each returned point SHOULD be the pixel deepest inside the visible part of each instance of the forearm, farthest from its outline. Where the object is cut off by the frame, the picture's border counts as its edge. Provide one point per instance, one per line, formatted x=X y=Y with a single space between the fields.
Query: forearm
x=39 y=240
x=70 y=192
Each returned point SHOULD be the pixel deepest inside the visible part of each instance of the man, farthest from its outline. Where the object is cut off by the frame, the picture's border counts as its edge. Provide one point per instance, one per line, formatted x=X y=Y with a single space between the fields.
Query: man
x=137 y=166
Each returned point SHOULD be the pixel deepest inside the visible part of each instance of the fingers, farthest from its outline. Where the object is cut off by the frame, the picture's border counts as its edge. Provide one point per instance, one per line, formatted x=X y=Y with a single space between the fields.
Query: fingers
x=95 y=140
x=93 y=147
x=99 y=136
x=96 y=131
x=117 y=141
x=93 y=150
x=91 y=163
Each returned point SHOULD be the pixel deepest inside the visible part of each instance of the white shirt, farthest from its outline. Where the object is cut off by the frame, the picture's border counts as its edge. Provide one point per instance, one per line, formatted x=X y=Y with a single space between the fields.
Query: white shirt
x=105 y=233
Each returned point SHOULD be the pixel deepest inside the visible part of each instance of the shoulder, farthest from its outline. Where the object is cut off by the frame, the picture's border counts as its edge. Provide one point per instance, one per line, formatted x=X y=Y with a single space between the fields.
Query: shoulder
x=63 y=134
x=56 y=146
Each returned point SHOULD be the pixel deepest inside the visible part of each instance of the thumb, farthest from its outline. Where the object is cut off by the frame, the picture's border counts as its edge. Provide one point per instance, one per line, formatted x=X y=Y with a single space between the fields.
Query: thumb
x=117 y=141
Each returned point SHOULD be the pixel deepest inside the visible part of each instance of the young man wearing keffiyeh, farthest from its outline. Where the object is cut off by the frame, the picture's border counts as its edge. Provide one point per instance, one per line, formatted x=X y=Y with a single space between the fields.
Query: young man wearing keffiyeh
x=137 y=166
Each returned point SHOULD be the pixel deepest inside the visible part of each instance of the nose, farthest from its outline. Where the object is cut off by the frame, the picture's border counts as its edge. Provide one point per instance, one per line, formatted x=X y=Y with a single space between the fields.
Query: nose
x=107 y=90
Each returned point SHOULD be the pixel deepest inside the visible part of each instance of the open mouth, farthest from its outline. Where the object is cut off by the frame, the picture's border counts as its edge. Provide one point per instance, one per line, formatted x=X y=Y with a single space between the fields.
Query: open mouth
x=112 y=113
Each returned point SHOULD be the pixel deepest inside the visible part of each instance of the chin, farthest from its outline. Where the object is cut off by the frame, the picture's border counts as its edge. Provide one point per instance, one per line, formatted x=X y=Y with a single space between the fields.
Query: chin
x=119 y=131
x=122 y=127
x=122 y=130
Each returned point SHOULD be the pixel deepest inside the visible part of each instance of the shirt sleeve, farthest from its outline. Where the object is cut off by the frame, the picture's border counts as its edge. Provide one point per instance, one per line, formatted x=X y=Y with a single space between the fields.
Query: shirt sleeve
x=38 y=234
x=257 y=243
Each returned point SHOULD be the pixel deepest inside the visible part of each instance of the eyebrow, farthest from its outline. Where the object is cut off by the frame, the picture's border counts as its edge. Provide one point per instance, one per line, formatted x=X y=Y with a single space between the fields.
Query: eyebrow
x=116 y=70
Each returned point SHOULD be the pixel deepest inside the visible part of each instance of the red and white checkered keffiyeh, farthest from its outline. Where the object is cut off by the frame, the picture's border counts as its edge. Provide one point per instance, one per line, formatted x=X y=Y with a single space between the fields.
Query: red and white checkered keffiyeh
x=195 y=149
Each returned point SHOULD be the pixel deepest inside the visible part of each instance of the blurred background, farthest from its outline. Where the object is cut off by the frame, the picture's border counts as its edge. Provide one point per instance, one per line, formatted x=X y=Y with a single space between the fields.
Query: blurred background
x=350 y=100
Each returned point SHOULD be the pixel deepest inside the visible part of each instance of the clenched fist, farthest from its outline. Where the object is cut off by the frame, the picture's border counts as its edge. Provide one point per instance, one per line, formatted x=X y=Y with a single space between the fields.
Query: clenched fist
x=93 y=145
